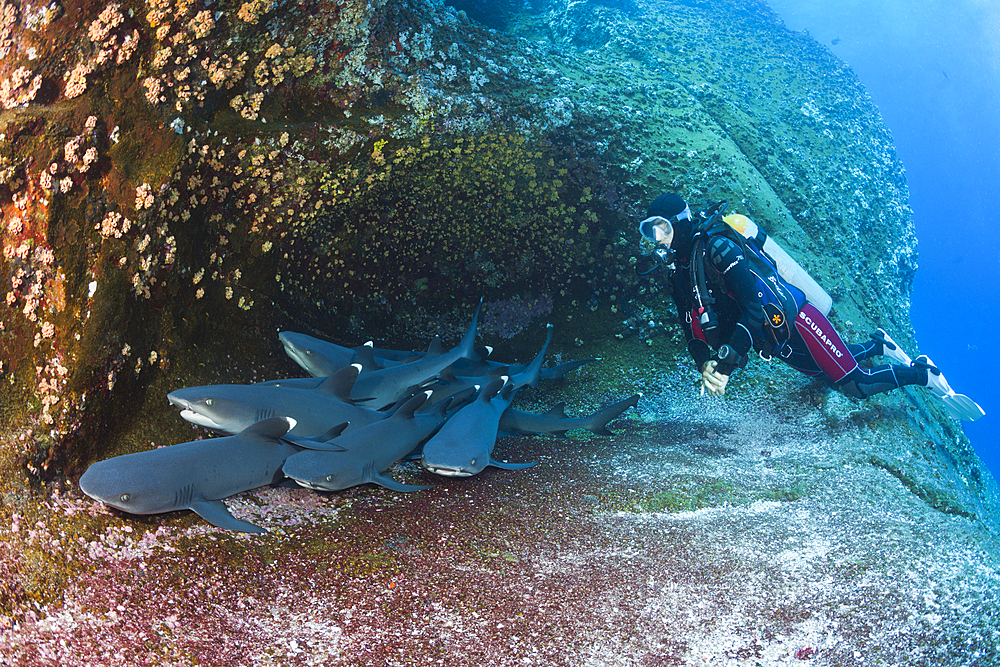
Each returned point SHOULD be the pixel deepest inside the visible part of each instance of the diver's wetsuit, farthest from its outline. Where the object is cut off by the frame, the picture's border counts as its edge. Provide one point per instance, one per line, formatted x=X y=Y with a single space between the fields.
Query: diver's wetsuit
x=810 y=344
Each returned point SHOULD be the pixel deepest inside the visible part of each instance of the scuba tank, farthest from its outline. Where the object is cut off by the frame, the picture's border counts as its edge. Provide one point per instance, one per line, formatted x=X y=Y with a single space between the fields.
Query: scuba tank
x=788 y=268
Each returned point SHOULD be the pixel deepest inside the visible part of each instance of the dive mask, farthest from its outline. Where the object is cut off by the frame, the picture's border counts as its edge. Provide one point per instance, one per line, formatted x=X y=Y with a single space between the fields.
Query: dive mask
x=650 y=246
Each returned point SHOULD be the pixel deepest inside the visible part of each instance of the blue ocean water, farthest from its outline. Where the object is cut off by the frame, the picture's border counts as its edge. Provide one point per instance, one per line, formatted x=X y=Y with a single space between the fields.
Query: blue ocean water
x=933 y=69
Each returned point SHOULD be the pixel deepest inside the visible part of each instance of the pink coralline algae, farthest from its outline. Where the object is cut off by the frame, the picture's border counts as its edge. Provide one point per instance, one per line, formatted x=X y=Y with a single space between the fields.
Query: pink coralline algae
x=20 y=88
x=104 y=35
x=110 y=18
x=76 y=82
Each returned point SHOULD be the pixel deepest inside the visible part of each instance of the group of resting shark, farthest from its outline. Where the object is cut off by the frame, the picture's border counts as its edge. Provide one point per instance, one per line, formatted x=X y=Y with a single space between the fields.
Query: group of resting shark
x=362 y=410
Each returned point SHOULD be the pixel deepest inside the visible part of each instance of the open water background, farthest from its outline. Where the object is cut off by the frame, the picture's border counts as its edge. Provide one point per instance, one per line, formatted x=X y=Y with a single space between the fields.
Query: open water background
x=933 y=69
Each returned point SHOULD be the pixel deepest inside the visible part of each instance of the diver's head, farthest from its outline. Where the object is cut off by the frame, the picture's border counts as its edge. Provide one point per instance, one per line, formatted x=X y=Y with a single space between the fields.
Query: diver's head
x=666 y=215
x=669 y=206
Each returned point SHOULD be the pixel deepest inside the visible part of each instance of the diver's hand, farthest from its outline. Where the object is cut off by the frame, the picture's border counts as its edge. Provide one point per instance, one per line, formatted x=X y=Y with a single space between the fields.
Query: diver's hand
x=711 y=381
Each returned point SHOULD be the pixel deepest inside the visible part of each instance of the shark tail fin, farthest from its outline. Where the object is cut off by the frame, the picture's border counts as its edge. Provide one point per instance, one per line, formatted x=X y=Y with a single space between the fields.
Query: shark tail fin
x=598 y=422
x=467 y=347
x=532 y=372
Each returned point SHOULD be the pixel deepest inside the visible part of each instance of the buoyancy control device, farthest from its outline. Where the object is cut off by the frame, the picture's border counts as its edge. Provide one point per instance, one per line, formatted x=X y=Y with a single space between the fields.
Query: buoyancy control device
x=783 y=285
x=788 y=268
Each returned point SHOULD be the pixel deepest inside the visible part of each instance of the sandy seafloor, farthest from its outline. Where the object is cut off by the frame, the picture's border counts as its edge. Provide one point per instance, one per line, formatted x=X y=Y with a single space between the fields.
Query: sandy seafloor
x=706 y=532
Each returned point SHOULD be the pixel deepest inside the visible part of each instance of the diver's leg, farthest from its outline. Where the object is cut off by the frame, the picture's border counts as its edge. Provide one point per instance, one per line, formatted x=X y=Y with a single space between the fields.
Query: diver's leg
x=879 y=344
x=865 y=350
x=862 y=383
x=830 y=354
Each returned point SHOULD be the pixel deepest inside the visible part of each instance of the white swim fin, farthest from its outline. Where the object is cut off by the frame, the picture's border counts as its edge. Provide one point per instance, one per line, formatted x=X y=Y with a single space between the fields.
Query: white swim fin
x=959 y=406
x=891 y=348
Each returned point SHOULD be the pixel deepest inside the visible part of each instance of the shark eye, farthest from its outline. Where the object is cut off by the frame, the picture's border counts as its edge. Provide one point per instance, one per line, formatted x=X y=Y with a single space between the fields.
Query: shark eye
x=309 y=353
x=125 y=497
x=208 y=401
x=473 y=461
x=329 y=478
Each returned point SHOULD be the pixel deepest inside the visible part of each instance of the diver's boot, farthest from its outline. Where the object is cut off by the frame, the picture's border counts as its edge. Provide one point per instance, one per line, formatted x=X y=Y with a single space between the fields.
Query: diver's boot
x=959 y=406
x=935 y=378
x=891 y=348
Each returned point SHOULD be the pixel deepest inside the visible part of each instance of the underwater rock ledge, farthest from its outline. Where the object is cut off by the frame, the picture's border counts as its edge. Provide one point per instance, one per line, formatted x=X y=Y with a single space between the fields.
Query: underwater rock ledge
x=179 y=181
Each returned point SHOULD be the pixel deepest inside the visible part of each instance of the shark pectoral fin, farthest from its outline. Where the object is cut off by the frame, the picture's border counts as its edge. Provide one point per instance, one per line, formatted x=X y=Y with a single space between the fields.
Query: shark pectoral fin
x=511 y=466
x=217 y=514
x=322 y=443
x=307 y=443
x=391 y=484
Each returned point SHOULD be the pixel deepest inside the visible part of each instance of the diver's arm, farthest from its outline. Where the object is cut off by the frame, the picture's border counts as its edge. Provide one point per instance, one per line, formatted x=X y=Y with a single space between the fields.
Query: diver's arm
x=696 y=347
x=727 y=258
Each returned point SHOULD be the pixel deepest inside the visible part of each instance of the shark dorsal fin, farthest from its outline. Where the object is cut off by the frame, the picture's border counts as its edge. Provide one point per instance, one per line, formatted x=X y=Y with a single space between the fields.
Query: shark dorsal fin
x=272 y=428
x=340 y=383
x=490 y=391
x=463 y=397
x=558 y=410
x=484 y=351
x=435 y=347
x=333 y=432
x=411 y=405
x=531 y=373
x=365 y=355
x=441 y=409
x=559 y=371
x=507 y=392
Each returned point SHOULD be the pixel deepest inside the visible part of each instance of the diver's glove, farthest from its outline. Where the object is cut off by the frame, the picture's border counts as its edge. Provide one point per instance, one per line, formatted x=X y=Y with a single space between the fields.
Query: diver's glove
x=711 y=380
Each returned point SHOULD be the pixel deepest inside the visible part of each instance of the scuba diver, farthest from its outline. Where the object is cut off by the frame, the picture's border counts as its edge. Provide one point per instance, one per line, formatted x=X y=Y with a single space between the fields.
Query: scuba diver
x=736 y=290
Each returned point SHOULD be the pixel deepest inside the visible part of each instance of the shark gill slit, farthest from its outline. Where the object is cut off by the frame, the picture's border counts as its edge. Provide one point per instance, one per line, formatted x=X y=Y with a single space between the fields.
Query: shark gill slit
x=183 y=495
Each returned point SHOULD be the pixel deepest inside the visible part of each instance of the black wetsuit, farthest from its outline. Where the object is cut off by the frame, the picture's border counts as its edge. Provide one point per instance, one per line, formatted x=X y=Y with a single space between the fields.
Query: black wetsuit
x=749 y=319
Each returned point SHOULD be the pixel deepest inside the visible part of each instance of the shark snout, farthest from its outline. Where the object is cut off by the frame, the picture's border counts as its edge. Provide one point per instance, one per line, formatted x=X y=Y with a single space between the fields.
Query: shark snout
x=191 y=414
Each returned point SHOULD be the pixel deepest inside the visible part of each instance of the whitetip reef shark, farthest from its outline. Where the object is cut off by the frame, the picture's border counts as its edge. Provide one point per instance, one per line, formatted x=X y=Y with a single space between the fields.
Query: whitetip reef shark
x=368 y=452
x=464 y=445
x=556 y=423
x=230 y=408
x=382 y=387
x=195 y=475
